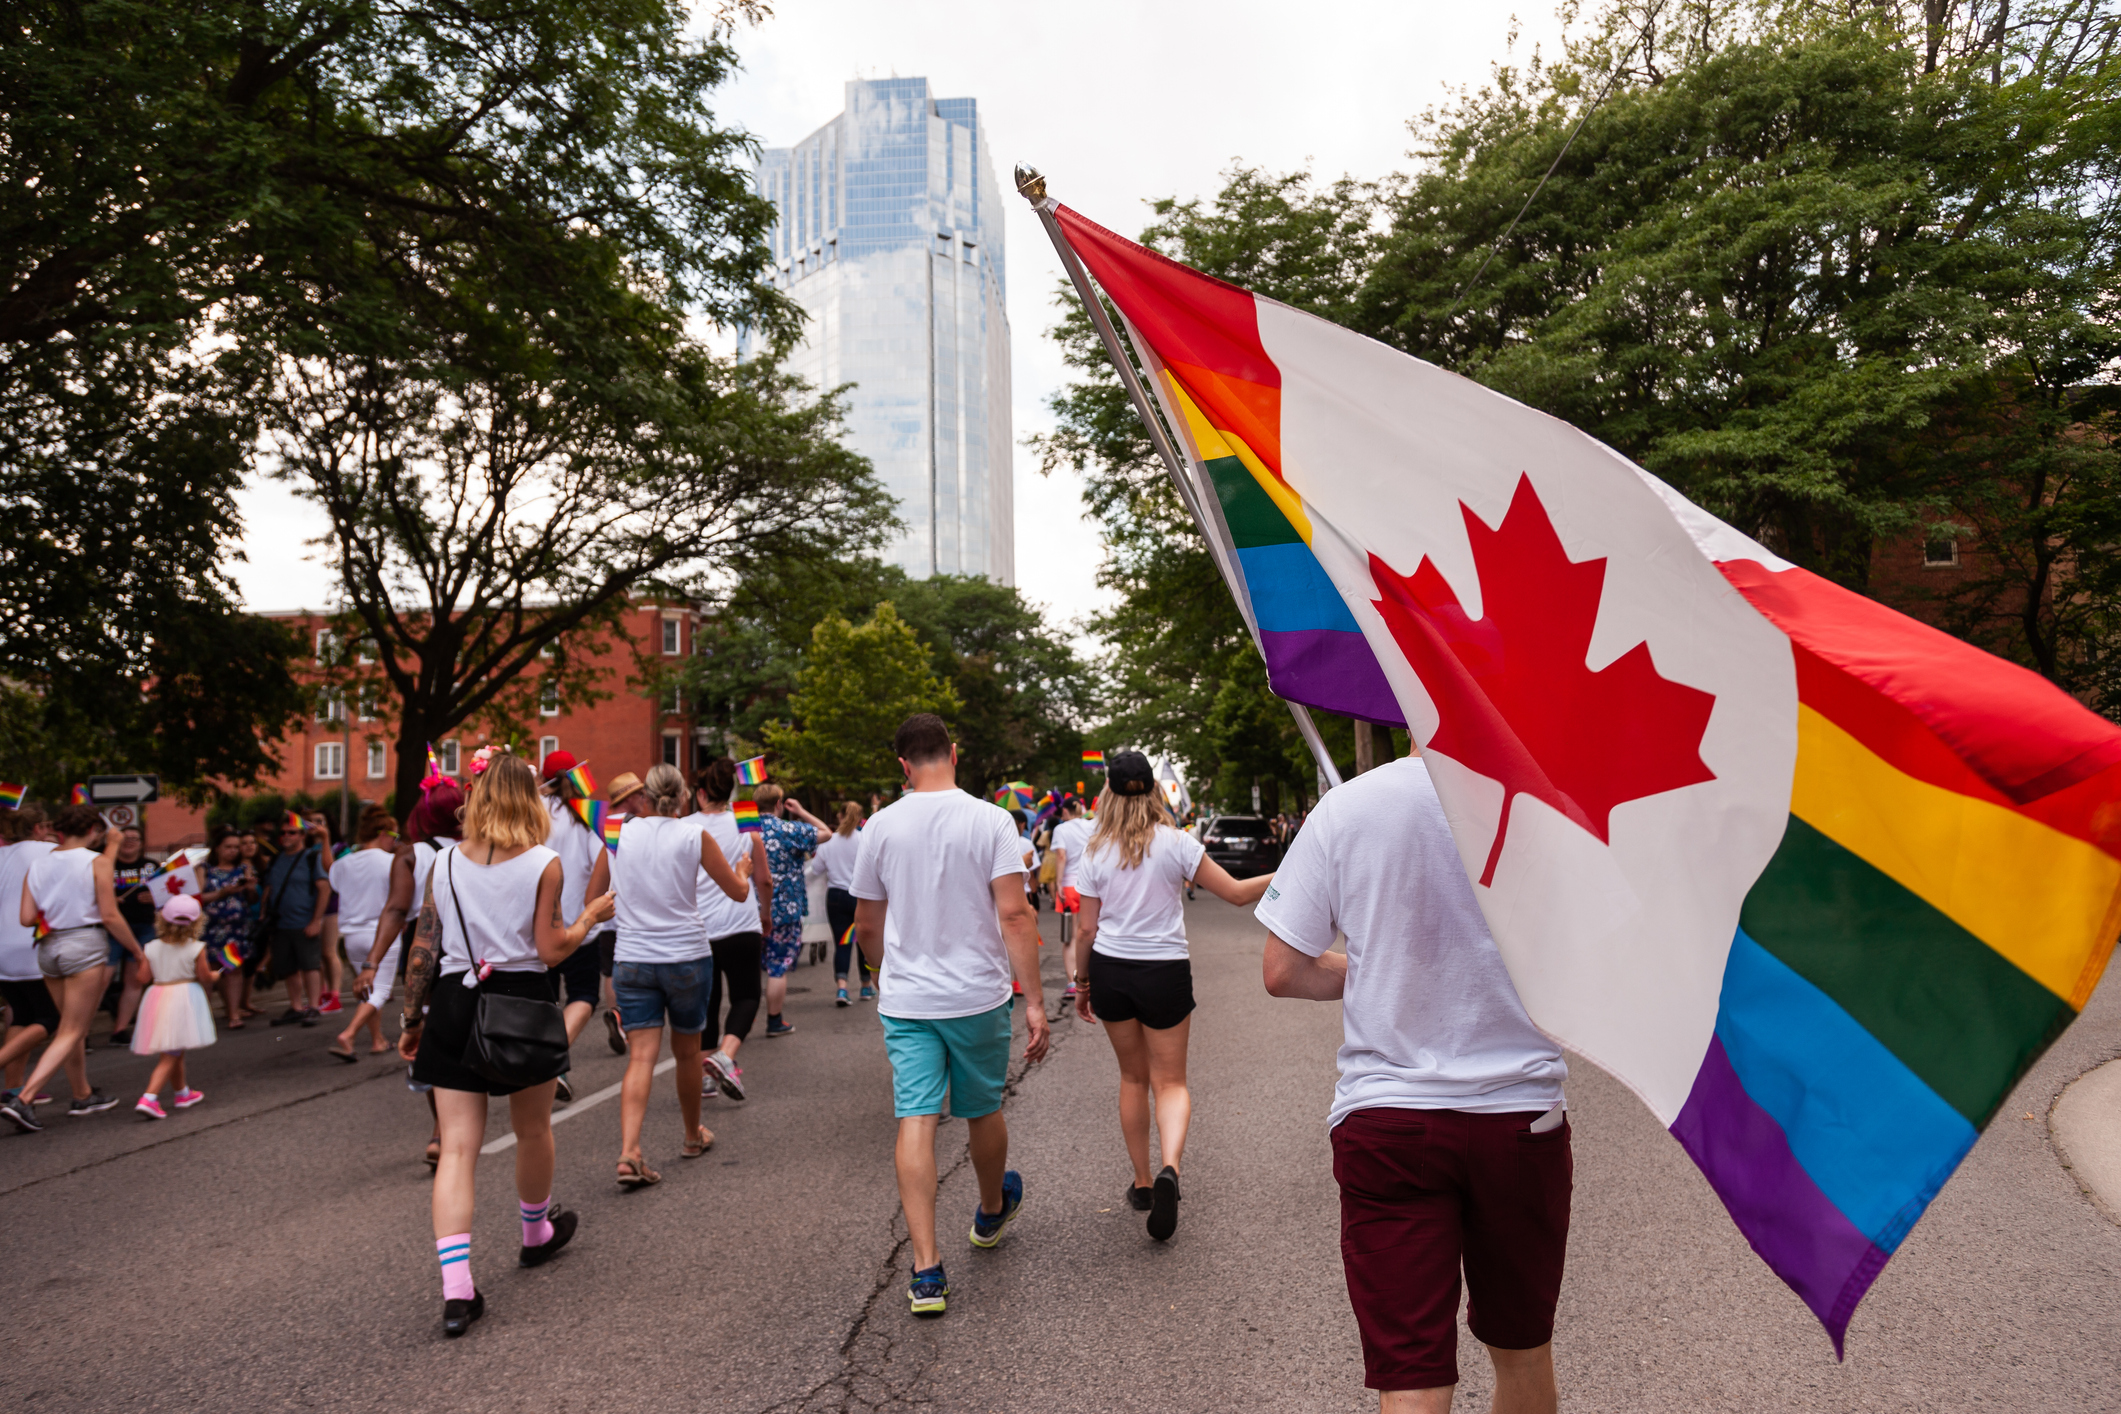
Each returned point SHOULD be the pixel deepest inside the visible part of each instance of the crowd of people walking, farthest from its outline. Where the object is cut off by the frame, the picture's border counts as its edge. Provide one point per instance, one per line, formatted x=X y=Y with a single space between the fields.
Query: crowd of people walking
x=500 y=923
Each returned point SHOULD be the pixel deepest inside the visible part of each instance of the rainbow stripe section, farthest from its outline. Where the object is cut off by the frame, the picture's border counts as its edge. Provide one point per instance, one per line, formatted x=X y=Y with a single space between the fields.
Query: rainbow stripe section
x=77 y=796
x=609 y=829
x=1201 y=340
x=580 y=781
x=12 y=796
x=1094 y=759
x=747 y=817
x=593 y=814
x=751 y=772
x=1942 y=903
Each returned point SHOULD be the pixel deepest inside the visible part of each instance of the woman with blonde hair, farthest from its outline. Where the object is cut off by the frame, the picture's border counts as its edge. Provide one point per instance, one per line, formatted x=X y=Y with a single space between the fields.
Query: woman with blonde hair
x=662 y=966
x=1139 y=978
x=490 y=925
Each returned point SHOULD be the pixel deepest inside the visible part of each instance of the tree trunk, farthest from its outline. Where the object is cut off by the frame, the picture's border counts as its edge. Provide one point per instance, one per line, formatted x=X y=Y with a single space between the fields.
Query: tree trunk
x=1373 y=746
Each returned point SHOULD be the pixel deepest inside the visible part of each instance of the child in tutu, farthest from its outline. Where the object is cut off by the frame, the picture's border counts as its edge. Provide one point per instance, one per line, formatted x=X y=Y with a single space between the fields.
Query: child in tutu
x=175 y=1016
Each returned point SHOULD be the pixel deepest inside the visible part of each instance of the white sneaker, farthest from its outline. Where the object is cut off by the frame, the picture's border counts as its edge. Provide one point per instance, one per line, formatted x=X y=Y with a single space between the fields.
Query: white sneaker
x=727 y=1075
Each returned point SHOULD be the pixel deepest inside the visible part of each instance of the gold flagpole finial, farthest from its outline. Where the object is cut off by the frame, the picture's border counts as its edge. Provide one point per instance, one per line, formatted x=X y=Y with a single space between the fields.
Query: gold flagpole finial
x=1030 y=183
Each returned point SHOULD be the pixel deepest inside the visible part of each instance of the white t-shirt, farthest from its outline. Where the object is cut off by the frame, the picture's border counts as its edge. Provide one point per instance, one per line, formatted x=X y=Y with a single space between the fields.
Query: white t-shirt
x=934 y=855
x=1430 y=1017
x=18 y=945
x=62 y=882
x=362 y=882
x=497 y=902
x=570 y=839
x=655 y=874
x=1141 y=912
x=1073 y=836
x=720 y=914
x=837 y=855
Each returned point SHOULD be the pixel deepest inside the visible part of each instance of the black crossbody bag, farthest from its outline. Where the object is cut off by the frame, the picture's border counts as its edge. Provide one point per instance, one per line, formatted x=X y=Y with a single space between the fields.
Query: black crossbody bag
x=515 y=1041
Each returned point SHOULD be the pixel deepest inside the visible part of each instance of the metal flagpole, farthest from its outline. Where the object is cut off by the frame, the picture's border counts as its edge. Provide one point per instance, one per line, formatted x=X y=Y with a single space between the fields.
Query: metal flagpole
x=1031 y=184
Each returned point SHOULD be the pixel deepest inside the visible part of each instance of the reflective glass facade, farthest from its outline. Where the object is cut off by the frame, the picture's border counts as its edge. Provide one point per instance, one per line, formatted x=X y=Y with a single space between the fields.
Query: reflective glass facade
x=890 y=237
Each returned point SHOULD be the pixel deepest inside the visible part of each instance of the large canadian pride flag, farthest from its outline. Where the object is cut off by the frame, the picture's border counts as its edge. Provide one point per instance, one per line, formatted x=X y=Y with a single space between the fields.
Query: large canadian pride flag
x=1816 y=881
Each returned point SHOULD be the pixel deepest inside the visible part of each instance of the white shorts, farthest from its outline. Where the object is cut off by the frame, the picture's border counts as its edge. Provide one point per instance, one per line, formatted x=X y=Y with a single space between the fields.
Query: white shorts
x=386 y=978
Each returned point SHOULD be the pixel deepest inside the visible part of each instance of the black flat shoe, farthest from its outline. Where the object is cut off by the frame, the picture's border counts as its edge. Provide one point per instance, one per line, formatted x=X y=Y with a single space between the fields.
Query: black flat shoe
x=613 y=1034
x=1138 y=1198
x=563 y=1222
x=457 y=1316
x=1163 y=1205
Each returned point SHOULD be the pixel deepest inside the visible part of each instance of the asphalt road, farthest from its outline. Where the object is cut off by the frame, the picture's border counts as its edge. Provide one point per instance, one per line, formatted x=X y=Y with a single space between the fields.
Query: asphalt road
x=271 y=1248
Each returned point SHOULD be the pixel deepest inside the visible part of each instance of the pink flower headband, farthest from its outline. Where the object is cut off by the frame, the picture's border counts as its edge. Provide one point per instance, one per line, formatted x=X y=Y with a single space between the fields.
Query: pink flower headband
x=483 y=757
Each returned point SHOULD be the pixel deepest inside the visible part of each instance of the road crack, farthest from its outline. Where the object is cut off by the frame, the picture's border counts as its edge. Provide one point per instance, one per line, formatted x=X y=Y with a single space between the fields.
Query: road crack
x=883 y=1365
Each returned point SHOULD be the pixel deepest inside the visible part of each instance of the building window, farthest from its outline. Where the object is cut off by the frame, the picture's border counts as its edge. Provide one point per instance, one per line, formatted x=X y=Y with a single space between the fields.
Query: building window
x=1940 y=554
x=366 y=701
x=446 y=753
x=546 y=746
x=673 y=744
x=378 y=760
x=671 y=636
x=549 y=698
x=331 y=705
x=673 y=700
x=327 y=645
x=331 y=760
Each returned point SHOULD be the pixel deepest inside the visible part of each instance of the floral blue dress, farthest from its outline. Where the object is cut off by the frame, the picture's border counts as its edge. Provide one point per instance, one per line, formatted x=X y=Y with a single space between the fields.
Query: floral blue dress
x=789 y=843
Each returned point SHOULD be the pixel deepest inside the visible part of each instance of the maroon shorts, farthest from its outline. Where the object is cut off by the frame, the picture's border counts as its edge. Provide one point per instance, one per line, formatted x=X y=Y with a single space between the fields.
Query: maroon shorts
x=1423 y=1192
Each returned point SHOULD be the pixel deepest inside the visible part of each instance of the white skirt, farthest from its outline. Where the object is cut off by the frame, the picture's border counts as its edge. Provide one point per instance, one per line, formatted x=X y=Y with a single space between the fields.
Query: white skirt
x=173 y=1017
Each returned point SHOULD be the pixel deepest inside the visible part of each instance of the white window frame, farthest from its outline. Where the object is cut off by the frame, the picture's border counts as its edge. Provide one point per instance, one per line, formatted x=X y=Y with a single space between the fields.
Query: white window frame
x=1951 y=560
x=548 y=697
x=378 y=759
x=329 y=761
x=449 y=755
x=331 y=705
x=674 y=749
x=673 y=636
x=326 y=641
x=546 y=746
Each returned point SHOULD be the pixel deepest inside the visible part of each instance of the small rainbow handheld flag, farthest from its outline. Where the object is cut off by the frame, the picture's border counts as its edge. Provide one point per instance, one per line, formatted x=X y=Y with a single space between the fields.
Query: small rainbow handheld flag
x=1095 y=760
x=592 y=813
x=231 y=956
x=79 y=796
x=11 y=795
x=580 y=782
x=747 y=817
x=609 y=829
x=752 y=772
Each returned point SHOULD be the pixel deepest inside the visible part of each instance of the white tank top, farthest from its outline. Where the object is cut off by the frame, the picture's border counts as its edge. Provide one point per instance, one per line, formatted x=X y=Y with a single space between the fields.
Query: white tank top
x=423 y=863
x=577 y=847
x=720 y=914
x=362 y=882
x=656 y=875
x=498 y=902
x=63 y=883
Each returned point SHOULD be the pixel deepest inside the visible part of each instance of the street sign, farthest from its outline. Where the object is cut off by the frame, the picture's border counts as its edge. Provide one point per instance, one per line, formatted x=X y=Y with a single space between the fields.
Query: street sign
x=123 y=790
x=121 y=817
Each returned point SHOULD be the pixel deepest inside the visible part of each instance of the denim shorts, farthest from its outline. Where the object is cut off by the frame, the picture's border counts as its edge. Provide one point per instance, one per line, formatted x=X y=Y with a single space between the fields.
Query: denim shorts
x=968 y=1055
x=648 y=990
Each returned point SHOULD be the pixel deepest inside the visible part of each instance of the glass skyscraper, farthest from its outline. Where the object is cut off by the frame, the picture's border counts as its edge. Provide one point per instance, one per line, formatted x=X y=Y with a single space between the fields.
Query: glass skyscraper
x=890 y=237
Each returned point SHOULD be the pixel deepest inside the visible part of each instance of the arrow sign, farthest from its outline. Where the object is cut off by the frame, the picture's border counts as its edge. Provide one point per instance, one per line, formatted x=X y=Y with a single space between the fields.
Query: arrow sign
x=123 y=790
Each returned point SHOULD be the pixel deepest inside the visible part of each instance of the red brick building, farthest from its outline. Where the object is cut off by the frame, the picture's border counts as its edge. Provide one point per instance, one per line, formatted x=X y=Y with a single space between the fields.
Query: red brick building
x=630 y=730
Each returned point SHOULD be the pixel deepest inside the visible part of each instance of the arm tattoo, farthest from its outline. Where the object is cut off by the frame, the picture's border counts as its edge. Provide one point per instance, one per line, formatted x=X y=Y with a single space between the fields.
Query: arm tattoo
x=422 y=962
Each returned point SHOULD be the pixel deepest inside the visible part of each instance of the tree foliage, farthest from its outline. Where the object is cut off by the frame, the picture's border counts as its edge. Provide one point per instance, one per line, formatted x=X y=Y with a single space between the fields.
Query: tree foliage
x=857 y=684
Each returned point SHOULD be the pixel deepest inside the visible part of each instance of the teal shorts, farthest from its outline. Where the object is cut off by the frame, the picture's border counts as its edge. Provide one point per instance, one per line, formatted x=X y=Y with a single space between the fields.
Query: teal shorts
x=968 y=1055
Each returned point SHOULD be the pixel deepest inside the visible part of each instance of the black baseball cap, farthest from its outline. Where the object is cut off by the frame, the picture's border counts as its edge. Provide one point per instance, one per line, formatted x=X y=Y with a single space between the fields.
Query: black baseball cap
x=1128 y=773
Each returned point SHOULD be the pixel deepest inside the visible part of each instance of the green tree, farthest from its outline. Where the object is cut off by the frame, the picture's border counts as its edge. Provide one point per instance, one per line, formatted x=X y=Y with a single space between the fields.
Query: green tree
x=858 y=683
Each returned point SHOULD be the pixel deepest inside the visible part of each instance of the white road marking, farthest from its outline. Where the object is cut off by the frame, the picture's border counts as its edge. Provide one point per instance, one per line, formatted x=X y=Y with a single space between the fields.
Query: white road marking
x=507 y=1141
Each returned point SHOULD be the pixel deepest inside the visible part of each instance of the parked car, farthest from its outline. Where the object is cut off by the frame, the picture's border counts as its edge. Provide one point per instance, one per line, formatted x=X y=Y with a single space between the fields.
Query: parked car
x=1242 y=844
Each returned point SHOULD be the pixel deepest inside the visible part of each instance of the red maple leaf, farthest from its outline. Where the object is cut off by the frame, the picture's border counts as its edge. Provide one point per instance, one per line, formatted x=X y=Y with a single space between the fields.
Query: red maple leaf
x=1516 y=701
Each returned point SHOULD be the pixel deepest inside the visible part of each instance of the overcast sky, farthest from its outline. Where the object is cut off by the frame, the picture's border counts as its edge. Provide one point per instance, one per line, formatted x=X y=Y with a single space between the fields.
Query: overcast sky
x=1118 y=103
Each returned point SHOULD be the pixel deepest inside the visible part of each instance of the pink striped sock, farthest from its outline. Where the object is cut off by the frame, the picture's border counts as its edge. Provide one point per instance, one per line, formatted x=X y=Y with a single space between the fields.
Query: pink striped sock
x=537 y=1222
x=455 y=1255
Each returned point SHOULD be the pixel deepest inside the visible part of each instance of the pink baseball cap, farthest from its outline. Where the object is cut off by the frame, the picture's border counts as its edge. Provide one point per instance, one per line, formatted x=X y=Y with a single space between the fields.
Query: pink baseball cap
x=181 y=909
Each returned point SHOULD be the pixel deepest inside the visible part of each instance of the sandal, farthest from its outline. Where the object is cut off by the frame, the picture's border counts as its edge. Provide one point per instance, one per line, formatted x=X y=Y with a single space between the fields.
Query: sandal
x=434 y=1154
x=699 y=1143
x=635 y=1173
x=346 y=1055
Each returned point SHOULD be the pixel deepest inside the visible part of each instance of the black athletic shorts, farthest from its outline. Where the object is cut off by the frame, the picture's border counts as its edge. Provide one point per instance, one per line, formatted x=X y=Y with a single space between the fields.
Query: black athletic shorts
x=607 y=946
x=1157 y=994
x=577 y=979
x=30 y=1004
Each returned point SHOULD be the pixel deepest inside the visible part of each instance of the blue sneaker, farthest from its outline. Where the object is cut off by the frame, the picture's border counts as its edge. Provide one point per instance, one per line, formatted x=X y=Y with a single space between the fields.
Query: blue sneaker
x=928 y=1291
x=868 y=994
x=986 y=1230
